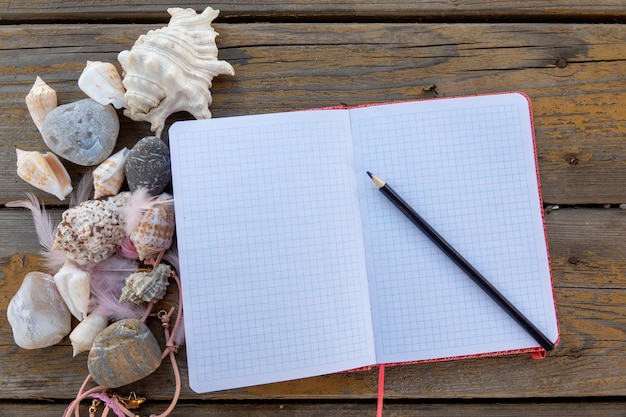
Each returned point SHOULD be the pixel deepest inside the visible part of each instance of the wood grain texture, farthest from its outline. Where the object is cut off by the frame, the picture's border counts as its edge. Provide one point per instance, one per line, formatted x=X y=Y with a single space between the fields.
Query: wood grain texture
x=255 y=10
x=572 y=73
x=350 y=409
x=589 y=277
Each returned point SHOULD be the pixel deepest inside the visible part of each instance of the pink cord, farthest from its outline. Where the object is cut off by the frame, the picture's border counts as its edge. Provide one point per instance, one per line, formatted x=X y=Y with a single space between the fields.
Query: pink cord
x=101 y=393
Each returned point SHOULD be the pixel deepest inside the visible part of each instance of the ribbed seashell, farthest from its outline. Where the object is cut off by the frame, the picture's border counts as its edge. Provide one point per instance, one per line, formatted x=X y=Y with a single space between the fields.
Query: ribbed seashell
x=124 y=352
x=102 y=83
x=44 y=171
x=171 y=69
x=84 y=334
x=147 y=287
x=74 y=285
x=90 y=232
x=109 y=176
x=155 y=231
x=40 y=100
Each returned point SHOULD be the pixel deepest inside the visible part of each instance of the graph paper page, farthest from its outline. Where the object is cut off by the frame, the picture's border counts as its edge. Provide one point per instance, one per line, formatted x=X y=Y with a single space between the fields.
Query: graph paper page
x=467 y=165
x=271 y=249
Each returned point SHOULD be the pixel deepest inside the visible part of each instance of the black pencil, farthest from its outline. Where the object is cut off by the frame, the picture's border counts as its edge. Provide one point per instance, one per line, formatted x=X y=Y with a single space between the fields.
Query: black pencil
x=462 y=263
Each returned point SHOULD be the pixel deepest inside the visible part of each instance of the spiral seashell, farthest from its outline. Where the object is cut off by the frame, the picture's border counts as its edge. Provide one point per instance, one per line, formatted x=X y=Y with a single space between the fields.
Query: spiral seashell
x=155 y=231
x=90 y=232
x=74 y=285
x=84 y=334
x=40 y=101
x=109 y=176
x=171 y=69
x=102 y=83
x=44 y=171
x=146 y=286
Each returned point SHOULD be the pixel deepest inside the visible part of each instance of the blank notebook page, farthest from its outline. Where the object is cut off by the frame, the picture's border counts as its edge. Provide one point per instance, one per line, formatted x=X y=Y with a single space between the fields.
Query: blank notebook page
x=267 y=216
x=467 y=165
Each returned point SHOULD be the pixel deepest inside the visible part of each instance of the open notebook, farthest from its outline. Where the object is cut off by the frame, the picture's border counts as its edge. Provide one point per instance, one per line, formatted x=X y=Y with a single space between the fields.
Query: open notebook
x=294 y=265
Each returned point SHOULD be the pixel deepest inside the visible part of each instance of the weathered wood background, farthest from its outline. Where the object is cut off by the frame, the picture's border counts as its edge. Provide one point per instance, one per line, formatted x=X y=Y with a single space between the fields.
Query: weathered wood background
x=569 y=57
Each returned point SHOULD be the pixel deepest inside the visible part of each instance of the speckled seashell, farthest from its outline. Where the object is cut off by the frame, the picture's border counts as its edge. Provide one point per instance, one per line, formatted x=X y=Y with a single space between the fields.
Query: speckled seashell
x=84 y=334
x=146 y=286
x=102 y=83
x=74 y=285
x=90 y=232
x=40 y=101
x=109 y=176
x=171 y=69
x=123 y=353
x=155 y=231
x=44 y=171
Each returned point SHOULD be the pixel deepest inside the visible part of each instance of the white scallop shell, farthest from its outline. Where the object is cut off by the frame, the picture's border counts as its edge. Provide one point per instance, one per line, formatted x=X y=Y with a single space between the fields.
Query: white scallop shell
x=85 y=332
x=44 y=171
x=109 y=176
x=171 y=69
x=74 y=285
x=155 y=231
x=102 y=83
x=40 y=101
x=146 y=286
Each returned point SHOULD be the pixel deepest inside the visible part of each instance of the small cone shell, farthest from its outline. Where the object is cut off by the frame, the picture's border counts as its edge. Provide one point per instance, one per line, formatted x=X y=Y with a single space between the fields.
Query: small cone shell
x=44 y=171
x=40 y=101
x=109 y=176
x=85 y=332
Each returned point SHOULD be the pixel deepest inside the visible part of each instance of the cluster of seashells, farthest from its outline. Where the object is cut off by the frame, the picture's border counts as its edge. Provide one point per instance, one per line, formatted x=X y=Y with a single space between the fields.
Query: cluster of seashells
x=95 y=252
x=167 y=70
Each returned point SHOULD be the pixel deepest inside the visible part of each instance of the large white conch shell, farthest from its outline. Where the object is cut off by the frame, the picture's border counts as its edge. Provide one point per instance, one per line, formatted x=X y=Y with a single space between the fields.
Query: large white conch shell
x=44 y=171
x=102 y=83
x=41 y=100
x=171 y=69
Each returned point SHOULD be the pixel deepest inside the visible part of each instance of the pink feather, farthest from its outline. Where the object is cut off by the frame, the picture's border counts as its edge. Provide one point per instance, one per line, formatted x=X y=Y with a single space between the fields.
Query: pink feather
x=138 y=202
x=83 y=190
x=107 y=279
x=53 y=259
x=43 y=223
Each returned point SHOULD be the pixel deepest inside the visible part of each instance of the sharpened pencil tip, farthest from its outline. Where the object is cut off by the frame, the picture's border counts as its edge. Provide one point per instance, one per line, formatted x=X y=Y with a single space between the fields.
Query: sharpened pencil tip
x=377 y=181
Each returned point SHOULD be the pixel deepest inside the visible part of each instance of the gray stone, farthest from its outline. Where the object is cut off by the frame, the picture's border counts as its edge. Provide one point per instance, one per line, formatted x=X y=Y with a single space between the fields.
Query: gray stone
x=83 y=132
x=148 y=165
x=123 y=353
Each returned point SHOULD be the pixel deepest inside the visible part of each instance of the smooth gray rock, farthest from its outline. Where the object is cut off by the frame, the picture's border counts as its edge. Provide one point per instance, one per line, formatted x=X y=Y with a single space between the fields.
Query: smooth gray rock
x=83 y=132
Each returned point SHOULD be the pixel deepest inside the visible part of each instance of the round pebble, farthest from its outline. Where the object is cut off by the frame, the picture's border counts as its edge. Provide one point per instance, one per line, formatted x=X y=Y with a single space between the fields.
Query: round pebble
x=83 y=132
x=148 y=165
x=123 y=353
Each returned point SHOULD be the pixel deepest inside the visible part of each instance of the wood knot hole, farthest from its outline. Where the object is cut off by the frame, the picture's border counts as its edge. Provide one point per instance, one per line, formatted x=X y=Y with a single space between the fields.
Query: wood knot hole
x=573 y=260
x=561 y=62
x=572 y=159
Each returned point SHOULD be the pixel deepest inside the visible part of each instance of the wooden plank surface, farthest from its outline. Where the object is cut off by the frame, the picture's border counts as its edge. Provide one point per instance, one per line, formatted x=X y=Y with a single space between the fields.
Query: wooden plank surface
x=315 y=54
x=586 y=247
x=291 y=10
x=573 y=74
x=357 y=409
